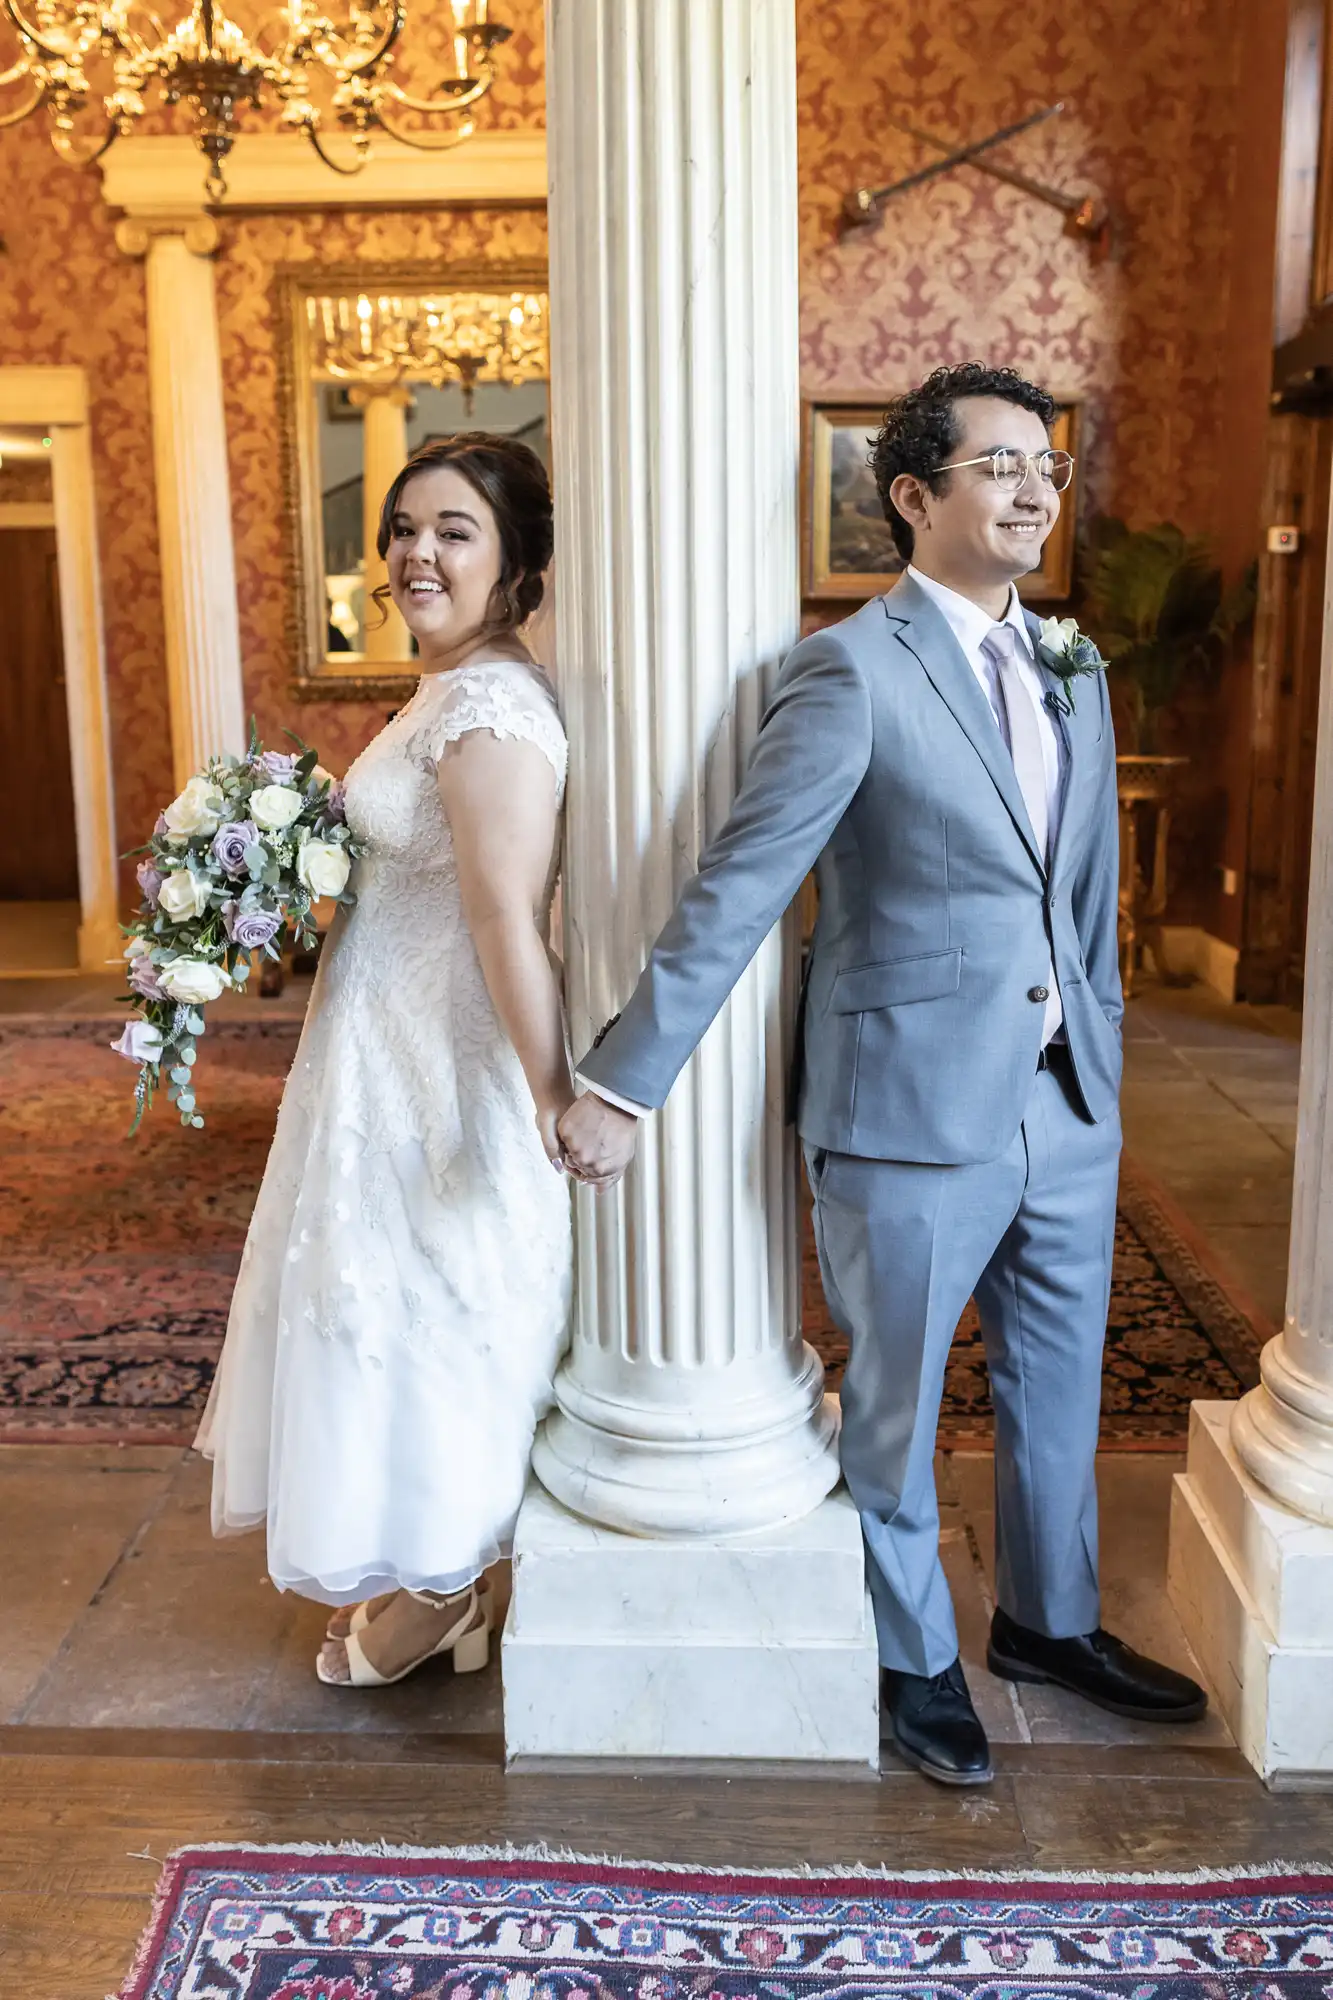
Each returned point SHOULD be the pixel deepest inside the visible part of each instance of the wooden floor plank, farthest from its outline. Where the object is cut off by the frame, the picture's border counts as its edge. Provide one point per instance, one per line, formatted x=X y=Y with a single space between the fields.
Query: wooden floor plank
x=1078 y=1823
x=57 y=1947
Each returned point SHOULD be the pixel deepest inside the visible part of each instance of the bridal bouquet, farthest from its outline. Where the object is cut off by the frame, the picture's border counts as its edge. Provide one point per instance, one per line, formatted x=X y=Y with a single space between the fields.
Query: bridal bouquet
x=236 y=862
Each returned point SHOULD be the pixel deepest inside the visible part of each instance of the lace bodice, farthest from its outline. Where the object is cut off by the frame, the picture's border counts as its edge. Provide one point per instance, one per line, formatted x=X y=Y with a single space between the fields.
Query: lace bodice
x=393 y=802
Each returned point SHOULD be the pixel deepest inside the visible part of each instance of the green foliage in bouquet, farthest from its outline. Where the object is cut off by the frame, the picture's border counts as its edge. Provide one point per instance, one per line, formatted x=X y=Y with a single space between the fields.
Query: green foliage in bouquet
x=234 y=868
x=1160 y=615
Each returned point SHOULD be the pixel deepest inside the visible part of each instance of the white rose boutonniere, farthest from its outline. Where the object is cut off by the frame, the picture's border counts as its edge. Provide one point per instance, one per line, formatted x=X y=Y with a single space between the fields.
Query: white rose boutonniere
x=1067 y=653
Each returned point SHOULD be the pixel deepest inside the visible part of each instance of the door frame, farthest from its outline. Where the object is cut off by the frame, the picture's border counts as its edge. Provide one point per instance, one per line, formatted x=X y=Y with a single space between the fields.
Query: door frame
x=57 y=400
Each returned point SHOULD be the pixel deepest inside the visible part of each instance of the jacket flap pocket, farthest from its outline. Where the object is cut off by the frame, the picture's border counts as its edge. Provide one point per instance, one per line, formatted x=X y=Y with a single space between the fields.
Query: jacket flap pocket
x=895 y=981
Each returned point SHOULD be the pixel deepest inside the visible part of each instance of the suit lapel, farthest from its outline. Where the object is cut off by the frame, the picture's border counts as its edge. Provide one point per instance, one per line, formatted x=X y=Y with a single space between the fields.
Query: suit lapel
x=1071 y=790
x=923 y=629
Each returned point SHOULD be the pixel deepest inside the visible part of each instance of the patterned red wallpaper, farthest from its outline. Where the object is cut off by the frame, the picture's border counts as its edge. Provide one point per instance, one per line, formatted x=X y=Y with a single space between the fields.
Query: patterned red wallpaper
x=963 y=266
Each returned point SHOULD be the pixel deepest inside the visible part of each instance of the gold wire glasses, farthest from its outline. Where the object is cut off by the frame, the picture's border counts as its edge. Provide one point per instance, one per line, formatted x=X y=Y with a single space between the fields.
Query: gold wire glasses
x=1010 y=467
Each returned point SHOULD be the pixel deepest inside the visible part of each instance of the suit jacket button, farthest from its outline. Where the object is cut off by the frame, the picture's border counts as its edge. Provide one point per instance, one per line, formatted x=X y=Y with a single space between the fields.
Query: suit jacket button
x=1039 y=993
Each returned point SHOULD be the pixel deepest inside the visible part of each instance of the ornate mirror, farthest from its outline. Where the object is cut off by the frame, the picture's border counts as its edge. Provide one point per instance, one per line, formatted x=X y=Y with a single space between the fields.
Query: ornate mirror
x=377 y=362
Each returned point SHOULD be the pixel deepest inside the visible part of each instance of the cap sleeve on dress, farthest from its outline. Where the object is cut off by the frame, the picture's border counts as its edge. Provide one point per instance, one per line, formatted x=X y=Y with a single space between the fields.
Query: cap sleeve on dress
x=510 y=701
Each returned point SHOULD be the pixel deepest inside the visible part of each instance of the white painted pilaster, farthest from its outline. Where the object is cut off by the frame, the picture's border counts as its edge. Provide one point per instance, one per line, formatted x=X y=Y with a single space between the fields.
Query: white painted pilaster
x=203 y=641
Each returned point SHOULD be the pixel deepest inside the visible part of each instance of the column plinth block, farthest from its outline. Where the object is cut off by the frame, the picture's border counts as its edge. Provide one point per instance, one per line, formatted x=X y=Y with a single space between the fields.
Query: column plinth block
x=759 y=1646
x=1252 y=1585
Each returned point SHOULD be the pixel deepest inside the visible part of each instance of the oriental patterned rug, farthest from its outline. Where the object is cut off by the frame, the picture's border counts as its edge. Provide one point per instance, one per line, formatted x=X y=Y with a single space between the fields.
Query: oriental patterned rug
x=117 y=1257
x=327 y=1924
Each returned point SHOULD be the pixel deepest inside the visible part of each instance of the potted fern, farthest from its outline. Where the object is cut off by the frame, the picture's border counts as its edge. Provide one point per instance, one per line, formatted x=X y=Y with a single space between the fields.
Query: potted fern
x=1157 y=609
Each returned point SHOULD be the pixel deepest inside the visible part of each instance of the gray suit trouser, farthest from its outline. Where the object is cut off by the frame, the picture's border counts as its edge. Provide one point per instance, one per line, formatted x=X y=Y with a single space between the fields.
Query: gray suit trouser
x=902 y=1248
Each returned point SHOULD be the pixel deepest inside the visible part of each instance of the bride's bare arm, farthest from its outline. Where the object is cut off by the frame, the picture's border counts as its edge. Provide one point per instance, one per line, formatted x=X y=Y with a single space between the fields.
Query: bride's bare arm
x=500 y=796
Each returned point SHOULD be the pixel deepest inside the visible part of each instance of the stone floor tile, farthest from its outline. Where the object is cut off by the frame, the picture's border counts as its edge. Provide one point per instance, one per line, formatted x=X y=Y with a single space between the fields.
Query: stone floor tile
x=184 y=1631
x=64 y=1523
x=1134 y=1491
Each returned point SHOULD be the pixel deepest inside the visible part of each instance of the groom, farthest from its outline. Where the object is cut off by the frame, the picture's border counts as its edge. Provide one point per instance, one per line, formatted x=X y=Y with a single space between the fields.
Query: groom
x=955 y=791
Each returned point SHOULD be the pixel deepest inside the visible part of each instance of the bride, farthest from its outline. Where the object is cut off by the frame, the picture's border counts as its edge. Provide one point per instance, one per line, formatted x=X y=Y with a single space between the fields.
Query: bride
x=404 y=1292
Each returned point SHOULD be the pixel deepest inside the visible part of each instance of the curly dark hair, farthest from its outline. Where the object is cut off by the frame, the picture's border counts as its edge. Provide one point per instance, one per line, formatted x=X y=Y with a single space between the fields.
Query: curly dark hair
x=921 y=432
x=512 y=480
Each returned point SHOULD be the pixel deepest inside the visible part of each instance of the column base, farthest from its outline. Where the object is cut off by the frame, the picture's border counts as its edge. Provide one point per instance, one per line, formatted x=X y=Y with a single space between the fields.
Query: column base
x=759 y=1647
x=1252 y=1584
x=663 y=1469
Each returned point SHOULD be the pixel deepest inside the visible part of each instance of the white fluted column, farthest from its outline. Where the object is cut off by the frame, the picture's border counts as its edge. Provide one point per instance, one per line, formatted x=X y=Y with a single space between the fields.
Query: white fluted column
x=1283 y=1430
x=1252 y=1518
x=383 y=453
x=203 y=641
x=688 y=1411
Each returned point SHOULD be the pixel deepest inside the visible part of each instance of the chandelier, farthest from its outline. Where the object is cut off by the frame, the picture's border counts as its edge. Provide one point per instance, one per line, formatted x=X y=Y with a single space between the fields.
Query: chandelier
x=465 y=337
x=90 y=63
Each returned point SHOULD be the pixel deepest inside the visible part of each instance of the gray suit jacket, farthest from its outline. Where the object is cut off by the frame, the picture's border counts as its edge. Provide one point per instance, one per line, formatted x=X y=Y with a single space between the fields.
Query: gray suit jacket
x=879 y=763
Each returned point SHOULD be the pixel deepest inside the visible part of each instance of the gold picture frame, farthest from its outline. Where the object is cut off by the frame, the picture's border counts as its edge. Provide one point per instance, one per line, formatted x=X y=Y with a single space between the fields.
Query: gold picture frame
x=848 y=551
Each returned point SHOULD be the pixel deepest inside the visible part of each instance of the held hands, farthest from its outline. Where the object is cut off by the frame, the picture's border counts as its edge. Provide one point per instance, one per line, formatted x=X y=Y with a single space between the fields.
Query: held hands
x=598 y=1140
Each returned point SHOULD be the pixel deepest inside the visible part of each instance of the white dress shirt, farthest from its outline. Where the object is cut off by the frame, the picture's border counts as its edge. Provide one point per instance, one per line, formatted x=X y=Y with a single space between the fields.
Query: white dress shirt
x=970 y=626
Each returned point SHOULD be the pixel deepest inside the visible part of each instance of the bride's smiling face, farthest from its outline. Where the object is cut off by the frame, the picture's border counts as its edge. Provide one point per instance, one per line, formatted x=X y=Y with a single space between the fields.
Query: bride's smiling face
x=444 y=558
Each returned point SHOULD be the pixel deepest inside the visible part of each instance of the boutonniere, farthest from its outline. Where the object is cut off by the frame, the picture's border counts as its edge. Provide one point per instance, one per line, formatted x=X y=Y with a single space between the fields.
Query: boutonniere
x=1068 y=653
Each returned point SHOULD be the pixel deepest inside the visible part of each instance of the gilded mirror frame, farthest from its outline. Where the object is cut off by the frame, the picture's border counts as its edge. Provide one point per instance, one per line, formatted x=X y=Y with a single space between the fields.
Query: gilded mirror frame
x=316 y=675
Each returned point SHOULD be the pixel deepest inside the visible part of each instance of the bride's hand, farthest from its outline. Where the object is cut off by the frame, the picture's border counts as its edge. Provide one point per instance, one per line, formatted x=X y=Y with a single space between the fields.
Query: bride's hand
x=548 y=1118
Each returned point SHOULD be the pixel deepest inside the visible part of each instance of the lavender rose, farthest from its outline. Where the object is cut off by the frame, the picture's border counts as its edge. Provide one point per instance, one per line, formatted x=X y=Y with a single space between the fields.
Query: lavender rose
x=335 y=805
x=230 y=842
x=143 y=978
x=250 y=929
x=278 y=766
x=150 y=880
x=139 y=1042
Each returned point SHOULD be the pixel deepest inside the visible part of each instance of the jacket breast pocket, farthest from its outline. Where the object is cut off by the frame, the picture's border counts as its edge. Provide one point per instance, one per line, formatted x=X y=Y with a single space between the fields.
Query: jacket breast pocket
x=895 y=982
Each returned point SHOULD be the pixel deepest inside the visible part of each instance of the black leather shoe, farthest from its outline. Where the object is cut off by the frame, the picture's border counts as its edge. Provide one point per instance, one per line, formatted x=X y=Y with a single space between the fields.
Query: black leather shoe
x=1100 y=1667
x=935 y=1725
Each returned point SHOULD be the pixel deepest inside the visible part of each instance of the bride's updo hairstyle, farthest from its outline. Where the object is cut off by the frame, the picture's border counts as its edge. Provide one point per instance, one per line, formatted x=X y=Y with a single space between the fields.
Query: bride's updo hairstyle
x=512 y=480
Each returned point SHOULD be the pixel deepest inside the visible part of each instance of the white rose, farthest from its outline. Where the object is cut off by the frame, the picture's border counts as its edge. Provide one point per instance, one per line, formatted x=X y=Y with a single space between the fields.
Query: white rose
x=139 y=1041
x=198 y=809
x=273 y=807
x=192 y=981
x=1058 y=634
x=324 y=867
x=183 y=895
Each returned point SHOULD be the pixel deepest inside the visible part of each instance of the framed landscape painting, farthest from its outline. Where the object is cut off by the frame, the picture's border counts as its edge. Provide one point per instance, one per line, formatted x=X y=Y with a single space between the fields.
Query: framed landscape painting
x=848 y=549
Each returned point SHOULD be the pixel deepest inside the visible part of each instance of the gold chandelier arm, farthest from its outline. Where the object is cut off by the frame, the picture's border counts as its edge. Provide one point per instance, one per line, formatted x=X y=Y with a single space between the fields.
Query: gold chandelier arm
x=397 y=22
x=23 y=67
x=444 y=144
x=312 y=134
x=452 y=103
x=73 y=157
x=24 y=110
x=53 y=51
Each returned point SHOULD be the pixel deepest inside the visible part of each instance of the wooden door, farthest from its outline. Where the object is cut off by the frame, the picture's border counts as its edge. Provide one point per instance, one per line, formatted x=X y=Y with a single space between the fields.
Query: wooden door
x=38 y=856
x=1288 y=637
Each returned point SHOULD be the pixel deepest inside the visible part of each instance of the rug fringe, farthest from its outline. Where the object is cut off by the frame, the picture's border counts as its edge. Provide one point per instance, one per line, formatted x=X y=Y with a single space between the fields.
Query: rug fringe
x=806 y=1871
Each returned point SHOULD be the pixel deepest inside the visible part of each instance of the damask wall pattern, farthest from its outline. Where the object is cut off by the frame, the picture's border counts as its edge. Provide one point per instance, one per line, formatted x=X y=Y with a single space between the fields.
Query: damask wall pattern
x=68 y=297
x=965 y=267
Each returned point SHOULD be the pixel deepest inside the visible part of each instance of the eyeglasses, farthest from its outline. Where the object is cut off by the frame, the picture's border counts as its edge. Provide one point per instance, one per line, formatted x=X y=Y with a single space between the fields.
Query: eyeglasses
x=1010 y=467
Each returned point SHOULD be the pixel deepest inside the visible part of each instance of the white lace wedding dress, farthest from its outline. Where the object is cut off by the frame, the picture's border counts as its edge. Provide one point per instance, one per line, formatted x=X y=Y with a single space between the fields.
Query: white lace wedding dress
x=404 y=1292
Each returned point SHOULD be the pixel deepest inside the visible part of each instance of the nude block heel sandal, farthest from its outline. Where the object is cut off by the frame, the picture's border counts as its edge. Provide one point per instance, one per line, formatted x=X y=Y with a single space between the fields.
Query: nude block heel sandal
x=470 y=1647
